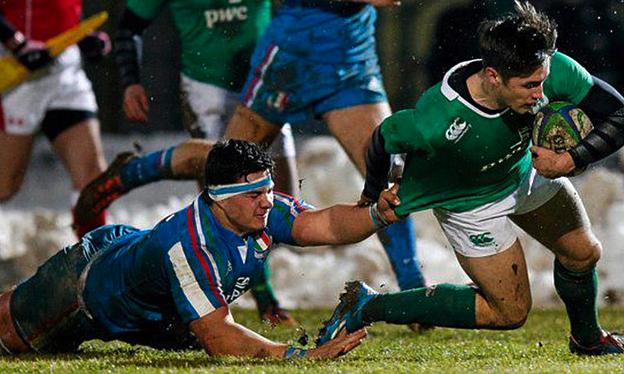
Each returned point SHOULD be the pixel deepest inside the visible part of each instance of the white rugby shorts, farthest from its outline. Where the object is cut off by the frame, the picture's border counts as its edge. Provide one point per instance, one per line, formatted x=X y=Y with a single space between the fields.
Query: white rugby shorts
x=213 y=107
x=487 y=230
x=62 y=85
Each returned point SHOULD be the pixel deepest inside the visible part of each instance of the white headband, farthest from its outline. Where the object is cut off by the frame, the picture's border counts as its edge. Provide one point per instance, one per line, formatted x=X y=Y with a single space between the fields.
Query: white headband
x=224 y=191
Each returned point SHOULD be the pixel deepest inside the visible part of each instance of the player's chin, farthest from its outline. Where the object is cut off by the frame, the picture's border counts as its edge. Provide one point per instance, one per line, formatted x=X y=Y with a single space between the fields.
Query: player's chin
x=522 y=109
x=260 y=222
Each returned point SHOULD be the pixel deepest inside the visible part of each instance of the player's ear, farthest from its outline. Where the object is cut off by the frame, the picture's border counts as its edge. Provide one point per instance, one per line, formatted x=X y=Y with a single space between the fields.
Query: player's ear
x=492 y=76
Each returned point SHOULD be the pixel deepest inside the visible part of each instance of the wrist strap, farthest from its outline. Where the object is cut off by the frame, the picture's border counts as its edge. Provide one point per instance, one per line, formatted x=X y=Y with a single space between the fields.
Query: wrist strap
x=294 y=353
x=377 y=219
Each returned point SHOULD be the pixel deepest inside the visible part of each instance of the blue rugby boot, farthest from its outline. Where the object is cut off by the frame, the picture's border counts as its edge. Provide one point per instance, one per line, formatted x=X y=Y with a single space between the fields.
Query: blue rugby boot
x=610 y=343
x=348 y=312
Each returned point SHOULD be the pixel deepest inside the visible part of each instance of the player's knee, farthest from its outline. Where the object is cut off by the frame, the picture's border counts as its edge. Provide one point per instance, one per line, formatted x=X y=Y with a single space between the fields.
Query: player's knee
x=585 y=256
x=513 y=316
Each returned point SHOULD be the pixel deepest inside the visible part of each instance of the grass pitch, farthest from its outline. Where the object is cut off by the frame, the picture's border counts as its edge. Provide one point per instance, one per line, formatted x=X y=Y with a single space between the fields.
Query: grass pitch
x=540 y=346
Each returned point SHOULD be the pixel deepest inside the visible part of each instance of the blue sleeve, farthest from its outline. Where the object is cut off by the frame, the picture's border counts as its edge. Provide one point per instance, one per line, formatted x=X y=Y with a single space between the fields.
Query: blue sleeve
x=193 y=274
x=285 y=210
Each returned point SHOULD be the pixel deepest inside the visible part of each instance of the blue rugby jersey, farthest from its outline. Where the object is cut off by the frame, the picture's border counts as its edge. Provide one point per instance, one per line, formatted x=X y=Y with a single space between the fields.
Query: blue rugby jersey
x=188 y=265
x=325 y=31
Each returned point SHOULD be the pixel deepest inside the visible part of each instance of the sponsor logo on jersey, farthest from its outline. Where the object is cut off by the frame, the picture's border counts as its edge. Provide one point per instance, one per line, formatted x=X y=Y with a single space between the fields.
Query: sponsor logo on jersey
x=241 y=285
x=457 y=129
x=483 y=239
x=232 y=13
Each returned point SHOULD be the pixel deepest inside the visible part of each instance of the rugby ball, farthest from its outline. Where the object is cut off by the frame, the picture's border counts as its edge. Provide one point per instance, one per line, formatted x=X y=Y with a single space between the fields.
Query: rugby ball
x=560 y=126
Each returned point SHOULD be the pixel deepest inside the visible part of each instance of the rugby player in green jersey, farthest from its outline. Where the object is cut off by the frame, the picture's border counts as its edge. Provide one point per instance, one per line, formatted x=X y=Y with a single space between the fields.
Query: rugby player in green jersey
x=469 y=159
x=217 y=38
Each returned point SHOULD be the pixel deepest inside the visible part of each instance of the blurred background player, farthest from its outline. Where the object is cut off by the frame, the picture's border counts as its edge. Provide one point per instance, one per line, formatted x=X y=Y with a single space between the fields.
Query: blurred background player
x=217 y=38
x=57 y=99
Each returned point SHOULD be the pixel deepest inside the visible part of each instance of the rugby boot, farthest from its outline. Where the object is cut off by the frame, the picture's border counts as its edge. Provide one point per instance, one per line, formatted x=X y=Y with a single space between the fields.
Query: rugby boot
x=610 y=343
x=102 y=191
x=274 y=315
x=81 y=227
x=348 y=312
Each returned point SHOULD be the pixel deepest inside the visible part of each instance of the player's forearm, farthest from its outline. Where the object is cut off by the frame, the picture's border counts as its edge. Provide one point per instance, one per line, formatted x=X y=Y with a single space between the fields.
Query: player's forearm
x=339 y=224
x=378 y=163
x=128 y=47
x=233 y=339
x=605 y=107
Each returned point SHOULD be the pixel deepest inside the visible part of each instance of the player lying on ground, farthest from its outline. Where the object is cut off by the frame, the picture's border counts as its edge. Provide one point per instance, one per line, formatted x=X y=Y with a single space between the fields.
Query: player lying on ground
x=170 y=286
x=209 y=84
x=336 y=78
x=468 y=159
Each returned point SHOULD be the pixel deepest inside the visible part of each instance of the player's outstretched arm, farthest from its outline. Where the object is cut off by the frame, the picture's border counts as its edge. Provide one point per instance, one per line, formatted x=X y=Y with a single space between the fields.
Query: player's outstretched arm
x=346 y=223
x=220 y=335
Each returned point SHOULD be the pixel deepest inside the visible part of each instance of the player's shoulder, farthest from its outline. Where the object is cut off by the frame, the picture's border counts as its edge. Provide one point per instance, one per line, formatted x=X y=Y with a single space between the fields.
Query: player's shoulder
x=562 y=64
x=294 y=206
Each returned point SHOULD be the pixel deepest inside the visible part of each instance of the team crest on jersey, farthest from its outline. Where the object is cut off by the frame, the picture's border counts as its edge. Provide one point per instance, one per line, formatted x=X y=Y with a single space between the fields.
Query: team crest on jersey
x=278 y=101
x=456 y=130
x=262 y=243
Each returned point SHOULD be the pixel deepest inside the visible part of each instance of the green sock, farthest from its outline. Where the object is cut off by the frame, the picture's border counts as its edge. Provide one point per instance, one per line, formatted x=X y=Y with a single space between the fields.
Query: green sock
x=262 y=291
x=579 y=292
x=445 y=305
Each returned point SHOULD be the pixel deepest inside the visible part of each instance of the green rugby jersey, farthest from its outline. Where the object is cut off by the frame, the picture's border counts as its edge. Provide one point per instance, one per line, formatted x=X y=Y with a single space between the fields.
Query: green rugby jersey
x=459 y=156
x=217 y=36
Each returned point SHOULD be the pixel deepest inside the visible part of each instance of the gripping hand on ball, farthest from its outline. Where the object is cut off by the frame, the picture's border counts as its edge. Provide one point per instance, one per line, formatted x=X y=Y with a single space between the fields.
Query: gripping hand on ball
x=551 y=164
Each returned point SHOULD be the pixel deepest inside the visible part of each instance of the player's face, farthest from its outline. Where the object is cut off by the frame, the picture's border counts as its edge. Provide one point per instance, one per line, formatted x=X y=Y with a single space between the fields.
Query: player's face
x=522 y=93
x=249 y=212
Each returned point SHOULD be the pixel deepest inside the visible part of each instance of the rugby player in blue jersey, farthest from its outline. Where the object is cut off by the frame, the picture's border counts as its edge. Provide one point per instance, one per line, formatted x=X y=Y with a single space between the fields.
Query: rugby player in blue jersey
x=316 y=59
x=169 y=287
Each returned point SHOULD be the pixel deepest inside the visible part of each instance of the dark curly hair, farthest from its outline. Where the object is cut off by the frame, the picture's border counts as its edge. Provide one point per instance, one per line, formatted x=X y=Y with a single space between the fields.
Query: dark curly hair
x=232 y=159
x=517 y=44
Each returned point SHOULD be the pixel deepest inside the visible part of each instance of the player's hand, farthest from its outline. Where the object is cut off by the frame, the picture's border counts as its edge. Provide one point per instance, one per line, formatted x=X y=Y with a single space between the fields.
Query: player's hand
x=388 y=201
x=136 y=104
x=551 y=164
x=338 y=346
x=95 y=45
x=365 y=201
x=33 y=54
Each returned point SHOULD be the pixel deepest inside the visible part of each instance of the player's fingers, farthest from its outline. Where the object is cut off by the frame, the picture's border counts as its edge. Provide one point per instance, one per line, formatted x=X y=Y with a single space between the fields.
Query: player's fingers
x=133 y=112
x=139 y=112
x=390 y=197
x=144 y=103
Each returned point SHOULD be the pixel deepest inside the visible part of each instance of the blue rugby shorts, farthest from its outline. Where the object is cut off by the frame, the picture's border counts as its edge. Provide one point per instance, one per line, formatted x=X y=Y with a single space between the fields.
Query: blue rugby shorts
x=285 y=88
